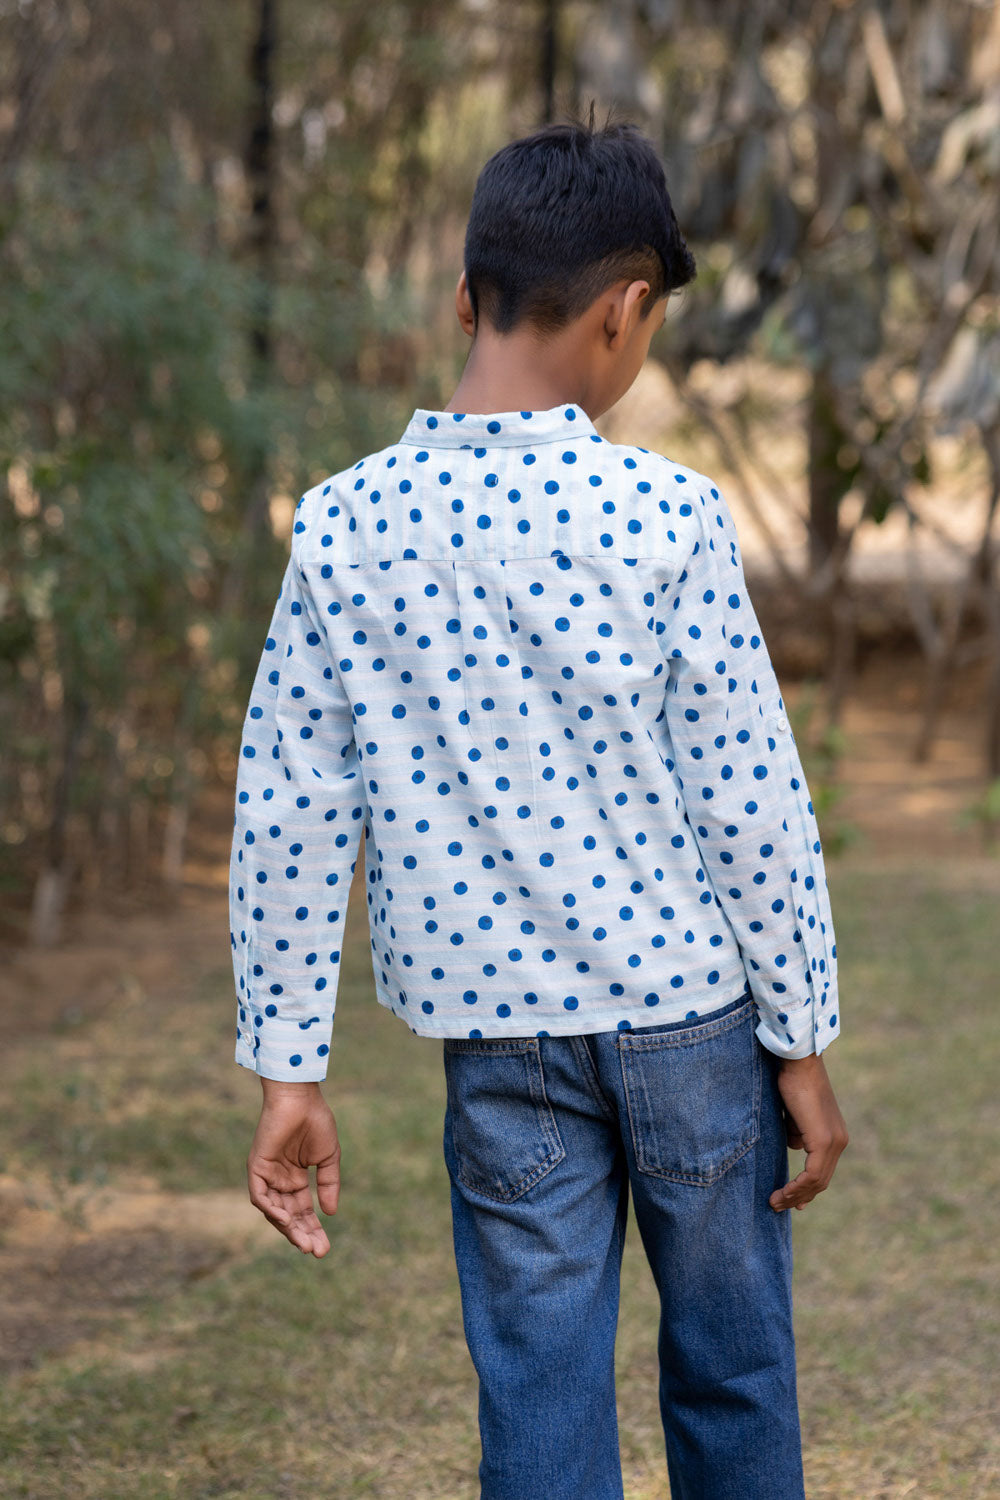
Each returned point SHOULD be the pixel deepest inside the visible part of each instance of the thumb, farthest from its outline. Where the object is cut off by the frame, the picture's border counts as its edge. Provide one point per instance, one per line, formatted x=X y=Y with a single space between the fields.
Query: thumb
x=328 y=1186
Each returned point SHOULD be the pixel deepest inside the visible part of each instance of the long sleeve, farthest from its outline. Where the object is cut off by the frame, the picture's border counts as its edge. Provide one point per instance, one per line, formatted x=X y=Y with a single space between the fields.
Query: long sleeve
x=299 y=815
x=743 y=788
x=522 y=660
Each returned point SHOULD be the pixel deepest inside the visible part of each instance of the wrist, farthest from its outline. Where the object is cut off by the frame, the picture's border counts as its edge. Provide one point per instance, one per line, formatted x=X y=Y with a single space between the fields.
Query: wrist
x=275 y=1089
x=811 y=1064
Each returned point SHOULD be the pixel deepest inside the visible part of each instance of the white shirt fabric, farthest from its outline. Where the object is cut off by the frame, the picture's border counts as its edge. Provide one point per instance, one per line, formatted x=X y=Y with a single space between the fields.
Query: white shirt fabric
x=524 y=661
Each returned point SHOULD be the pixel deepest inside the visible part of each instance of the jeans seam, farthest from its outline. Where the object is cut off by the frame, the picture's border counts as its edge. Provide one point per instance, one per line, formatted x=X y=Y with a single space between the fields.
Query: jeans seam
x=590 y=1077
x=547 y=1119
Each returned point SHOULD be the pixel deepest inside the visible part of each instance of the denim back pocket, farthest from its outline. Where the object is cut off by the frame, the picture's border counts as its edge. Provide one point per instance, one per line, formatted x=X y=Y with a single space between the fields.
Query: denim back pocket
x=693 y=1094
x=502 y=1127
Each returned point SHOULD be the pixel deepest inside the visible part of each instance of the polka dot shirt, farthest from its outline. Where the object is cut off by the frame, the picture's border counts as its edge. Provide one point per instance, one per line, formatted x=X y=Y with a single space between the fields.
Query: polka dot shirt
x=523 y=661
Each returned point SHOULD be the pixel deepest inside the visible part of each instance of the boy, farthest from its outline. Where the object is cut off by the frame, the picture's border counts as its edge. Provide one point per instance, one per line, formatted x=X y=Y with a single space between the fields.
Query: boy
x=525 y=661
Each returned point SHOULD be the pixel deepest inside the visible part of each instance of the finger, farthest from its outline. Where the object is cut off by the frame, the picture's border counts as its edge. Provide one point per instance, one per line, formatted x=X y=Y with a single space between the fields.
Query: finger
x=291 y=1213
x=800 y=1191
x=316 y=1242
x=328 y=1185
x=303 y=1230
x=309 y=1236
x=270 y=1204
x=281 y=1207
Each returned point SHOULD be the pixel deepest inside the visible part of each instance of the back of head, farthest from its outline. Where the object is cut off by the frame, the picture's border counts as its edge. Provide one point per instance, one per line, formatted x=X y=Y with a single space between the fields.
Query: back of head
x=563 y=214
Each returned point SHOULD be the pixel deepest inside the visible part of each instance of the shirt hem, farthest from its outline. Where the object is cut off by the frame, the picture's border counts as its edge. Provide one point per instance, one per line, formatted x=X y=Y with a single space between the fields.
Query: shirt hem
x=570 y=1023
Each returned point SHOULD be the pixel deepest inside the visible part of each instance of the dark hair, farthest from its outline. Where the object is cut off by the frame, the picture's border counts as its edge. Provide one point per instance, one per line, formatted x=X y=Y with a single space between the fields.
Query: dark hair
x=563 y=214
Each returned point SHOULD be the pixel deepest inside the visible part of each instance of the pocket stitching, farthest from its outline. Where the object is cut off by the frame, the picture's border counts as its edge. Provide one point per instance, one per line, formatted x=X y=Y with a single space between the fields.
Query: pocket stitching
x=694 y=1179
x=547 y=1124
x=629 y=1041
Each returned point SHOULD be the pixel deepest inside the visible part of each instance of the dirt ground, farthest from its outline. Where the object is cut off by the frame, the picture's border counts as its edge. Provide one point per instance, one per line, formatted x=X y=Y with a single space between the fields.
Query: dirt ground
x=71 y=1260
x=894 y=806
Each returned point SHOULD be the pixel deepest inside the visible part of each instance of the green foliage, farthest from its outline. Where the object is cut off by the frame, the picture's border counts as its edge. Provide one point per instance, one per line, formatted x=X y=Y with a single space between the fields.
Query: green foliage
x=120 y=352
x=137 y=436
x=141 y=440
x=985 y=813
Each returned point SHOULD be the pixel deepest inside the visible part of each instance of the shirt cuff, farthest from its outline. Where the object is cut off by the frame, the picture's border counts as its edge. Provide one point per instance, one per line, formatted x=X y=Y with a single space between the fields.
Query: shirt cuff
x=290 y=1051
x=816 y=1028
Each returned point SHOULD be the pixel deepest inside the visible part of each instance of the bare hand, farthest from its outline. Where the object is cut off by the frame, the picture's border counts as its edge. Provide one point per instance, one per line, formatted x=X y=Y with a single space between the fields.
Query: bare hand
x=814 y=1124
x=296 y=1131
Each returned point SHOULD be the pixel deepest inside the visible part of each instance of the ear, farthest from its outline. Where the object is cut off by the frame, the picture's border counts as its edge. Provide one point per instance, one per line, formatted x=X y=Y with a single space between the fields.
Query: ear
x=624 y=311
x=463 y=307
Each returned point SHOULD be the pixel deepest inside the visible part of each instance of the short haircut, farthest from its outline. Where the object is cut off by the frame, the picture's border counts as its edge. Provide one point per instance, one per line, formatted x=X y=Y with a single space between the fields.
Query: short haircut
x=563 y=214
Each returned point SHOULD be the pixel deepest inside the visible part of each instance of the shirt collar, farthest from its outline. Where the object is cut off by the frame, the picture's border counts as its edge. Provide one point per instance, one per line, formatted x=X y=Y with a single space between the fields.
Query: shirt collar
x=505 y=429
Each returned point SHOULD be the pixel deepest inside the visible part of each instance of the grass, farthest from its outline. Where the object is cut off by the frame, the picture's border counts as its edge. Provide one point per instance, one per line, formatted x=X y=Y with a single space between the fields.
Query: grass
x=255 y=1373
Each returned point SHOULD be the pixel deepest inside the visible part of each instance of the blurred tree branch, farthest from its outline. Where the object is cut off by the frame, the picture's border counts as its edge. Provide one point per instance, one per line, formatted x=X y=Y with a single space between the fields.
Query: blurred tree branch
x=37 y=39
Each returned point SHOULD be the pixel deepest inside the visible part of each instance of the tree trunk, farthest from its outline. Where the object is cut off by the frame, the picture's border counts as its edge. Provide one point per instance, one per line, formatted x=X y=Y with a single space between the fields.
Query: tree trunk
x=259 y=163
x=53 y=882
x=991 y=583
x=943 y=657
x=40 y=45
x=174 y=840
x=549 y=58
x=825 y=479
x=48 y=903
x=828 y=550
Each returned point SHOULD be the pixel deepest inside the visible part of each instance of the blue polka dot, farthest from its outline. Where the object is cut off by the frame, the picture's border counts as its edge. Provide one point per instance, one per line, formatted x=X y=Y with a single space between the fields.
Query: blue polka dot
x=545 y=794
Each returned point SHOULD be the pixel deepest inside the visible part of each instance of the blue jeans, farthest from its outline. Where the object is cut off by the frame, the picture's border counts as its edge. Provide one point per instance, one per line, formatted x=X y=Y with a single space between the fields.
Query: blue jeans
x=543 y=1136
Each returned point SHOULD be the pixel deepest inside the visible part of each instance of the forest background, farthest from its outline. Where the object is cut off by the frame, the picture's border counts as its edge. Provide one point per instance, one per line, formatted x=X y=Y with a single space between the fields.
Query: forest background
x=229 y=236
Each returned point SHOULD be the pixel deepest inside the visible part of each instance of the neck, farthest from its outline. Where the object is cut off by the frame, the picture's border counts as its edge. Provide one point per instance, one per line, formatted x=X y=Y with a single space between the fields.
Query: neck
x=521 y=371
